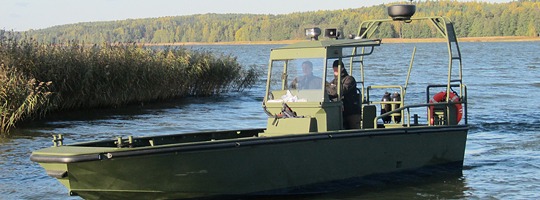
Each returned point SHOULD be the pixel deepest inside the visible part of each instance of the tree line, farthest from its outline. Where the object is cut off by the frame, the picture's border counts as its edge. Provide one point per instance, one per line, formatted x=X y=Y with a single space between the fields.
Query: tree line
x=471 y=19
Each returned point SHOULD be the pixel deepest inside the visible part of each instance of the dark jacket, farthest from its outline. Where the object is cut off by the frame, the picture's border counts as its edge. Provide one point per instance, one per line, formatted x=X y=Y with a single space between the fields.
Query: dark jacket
x=349 y=93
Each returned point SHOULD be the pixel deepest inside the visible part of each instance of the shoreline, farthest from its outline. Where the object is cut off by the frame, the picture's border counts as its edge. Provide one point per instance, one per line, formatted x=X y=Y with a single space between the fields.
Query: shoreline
x=384 y=40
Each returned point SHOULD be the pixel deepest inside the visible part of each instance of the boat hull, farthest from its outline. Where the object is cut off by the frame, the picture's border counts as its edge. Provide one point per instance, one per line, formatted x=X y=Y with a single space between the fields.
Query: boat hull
x=255 y=166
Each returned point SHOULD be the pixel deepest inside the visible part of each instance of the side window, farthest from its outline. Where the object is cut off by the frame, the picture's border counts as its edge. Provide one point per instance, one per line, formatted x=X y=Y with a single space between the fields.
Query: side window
x=329 y=71
x=331 y=78
x=330 y=75
x=276 y=81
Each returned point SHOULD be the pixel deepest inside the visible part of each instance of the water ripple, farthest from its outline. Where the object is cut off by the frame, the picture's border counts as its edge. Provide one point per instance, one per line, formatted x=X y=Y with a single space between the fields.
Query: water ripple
x=501 y=158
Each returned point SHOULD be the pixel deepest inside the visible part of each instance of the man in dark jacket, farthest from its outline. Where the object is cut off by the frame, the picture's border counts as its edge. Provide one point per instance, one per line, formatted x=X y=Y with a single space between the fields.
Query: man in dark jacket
x=349 y=96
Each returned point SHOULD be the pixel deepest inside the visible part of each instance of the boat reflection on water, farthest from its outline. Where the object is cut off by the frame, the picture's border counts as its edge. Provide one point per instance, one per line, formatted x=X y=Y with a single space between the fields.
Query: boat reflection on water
x=432 y=186
x=420 y=185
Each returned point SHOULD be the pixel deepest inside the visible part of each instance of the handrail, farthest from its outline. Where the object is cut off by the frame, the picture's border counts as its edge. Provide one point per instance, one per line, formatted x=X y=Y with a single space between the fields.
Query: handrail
x=408 y=110
x=385 y=87
x=442 y=24
x=394 y=104
x=354 y=54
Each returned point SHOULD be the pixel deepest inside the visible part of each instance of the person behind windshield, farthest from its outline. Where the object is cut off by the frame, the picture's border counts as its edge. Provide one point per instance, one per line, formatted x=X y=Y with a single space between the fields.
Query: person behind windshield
x=349 y=96
x=307 y=81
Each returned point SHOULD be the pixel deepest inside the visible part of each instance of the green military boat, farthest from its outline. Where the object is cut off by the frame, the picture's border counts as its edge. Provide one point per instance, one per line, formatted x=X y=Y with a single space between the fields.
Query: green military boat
x=306 y=147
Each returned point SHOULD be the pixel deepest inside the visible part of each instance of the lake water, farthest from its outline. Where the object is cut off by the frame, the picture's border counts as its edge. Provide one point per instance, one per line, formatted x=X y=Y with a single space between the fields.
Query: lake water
x=502 y=158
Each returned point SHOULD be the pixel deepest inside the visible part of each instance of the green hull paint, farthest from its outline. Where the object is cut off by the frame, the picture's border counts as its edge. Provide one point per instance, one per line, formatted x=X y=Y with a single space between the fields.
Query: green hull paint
x=266 y=165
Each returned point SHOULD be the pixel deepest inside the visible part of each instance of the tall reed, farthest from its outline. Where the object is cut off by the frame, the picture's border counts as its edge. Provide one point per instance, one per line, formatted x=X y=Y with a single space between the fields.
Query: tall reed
x=107 y=75
x=21 y=97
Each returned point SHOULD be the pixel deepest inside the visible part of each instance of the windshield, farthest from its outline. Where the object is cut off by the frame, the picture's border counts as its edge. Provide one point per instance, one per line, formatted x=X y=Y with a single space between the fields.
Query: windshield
x=297 y=80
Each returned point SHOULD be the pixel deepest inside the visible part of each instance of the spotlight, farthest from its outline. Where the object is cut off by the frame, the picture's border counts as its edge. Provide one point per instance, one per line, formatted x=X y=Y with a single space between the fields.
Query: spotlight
x=313 y=33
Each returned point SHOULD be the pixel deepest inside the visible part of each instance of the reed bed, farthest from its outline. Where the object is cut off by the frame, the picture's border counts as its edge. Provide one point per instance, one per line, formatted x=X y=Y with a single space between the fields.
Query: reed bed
x=39 y=78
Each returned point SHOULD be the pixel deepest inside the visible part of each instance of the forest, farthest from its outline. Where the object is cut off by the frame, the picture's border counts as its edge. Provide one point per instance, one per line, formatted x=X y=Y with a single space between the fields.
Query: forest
x=472 y=19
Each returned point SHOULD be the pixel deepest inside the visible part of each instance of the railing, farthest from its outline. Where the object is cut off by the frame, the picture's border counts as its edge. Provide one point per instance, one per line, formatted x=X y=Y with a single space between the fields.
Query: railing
x=462 y=94
x=394 y=104
x=408 y=113
x=404 y=111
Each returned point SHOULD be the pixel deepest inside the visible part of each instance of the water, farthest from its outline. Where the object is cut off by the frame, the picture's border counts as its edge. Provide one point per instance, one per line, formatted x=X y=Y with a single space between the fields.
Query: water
x=502 y=159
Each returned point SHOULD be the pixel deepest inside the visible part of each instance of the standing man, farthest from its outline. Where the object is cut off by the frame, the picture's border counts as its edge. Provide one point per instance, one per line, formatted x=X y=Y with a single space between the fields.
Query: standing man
x=349 y=96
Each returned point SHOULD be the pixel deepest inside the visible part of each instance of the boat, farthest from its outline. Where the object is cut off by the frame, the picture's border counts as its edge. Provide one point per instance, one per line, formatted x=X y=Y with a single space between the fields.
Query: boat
x=305 y=147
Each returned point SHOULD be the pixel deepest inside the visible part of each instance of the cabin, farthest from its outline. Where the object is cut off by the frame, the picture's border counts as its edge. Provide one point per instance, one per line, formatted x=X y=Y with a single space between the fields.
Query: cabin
x=296 y=110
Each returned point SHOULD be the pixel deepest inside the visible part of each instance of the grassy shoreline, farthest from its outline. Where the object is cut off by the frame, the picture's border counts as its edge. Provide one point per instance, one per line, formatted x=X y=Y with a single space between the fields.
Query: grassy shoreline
x=36 y=79
x=385 y=40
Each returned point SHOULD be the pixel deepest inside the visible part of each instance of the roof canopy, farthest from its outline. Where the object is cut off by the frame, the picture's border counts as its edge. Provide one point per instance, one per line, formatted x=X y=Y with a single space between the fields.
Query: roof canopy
x=319 y=49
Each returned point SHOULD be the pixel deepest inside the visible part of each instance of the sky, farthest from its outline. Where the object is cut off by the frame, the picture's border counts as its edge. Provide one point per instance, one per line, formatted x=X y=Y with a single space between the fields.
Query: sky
x=22 y=15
